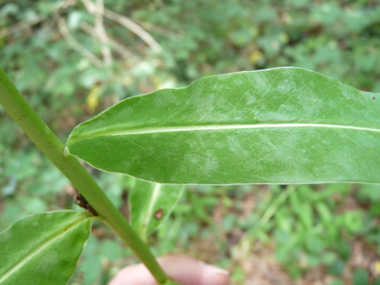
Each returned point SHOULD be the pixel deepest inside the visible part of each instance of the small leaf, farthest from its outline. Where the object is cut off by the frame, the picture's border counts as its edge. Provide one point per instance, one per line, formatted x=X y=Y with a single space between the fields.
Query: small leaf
x=360 y=277
x=151 y=203
x=43 y=248
x=283 y=125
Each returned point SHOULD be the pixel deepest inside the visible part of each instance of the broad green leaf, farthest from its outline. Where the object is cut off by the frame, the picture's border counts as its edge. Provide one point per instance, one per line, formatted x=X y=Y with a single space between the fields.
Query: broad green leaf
x=151 y=203
x=283 y=125
x=43 y=248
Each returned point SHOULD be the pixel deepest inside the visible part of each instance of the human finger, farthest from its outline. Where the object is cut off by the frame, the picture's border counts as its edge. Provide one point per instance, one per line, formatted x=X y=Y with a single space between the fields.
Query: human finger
x=180 y=268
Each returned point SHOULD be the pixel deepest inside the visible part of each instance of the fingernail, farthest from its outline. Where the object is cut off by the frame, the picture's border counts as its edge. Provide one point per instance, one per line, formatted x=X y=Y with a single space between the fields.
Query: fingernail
x=213 y=275
x=214 y=269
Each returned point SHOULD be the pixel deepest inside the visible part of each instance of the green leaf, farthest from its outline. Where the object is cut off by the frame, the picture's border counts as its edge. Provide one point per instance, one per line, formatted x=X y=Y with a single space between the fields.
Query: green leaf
x=284 y=125
x=43 y=248
x=360 y=277
x=151 y=203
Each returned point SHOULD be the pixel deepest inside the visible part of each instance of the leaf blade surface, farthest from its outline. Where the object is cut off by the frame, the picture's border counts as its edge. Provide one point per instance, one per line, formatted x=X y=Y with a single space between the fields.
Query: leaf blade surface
x=151 y=204
x=284 y=125
x=43 y=248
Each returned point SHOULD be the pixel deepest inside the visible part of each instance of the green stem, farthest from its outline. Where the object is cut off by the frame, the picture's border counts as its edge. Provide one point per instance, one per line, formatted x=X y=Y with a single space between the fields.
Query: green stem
x=24 y=115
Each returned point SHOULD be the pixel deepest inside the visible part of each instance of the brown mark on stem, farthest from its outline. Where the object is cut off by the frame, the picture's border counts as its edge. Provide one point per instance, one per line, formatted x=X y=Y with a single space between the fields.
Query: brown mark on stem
x=82 y=202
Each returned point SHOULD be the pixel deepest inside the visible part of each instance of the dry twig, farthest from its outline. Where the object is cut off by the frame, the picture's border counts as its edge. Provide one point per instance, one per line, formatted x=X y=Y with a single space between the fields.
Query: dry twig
x=20 y=26
x=119 y=48
x=159 y=30
x=99 y=29
x=77 y=46
x=127 y=23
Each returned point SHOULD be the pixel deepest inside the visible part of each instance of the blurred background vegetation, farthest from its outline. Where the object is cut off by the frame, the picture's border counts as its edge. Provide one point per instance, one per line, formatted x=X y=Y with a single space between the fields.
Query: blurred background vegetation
x=73 y=59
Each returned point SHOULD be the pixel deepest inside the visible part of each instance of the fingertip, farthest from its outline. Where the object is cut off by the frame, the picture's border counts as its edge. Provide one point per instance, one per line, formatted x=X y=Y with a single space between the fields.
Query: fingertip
x=136 y=274
x=180 y=268
x=214 y=275
x=187 y=270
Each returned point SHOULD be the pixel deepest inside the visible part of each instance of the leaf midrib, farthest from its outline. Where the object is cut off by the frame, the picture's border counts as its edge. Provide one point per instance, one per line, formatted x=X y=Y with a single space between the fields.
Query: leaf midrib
x=102 y=132
x=149 y=213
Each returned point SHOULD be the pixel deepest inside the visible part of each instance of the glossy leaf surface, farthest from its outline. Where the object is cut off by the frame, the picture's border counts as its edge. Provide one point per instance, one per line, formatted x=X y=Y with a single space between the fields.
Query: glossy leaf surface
x=151 y=203
x=43 y=248
x=284 y=125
